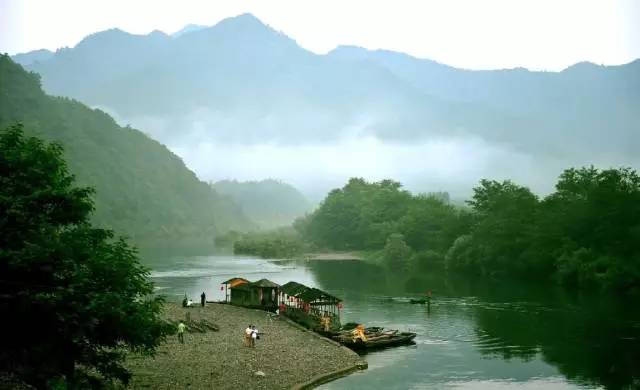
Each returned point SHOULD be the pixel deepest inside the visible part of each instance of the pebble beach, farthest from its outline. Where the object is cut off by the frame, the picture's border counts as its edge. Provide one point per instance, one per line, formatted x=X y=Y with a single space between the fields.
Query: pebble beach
x=285 y=357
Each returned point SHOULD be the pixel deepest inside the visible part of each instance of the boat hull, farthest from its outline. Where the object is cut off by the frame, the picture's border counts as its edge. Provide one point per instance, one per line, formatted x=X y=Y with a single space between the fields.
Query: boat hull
x=391 y=341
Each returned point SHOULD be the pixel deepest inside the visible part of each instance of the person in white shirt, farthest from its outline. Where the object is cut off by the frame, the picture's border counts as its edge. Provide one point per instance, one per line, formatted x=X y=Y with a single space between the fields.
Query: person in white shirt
x=254 y=336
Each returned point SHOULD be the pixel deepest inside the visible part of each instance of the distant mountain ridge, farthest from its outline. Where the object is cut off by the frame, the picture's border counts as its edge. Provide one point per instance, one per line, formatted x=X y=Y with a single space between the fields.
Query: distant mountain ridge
x=241 y=81
x=143 y=190
x=269 y=203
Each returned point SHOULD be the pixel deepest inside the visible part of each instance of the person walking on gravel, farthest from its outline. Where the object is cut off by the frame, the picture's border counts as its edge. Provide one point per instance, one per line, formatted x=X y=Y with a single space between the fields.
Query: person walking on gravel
x=181 y=328
x=247 y=336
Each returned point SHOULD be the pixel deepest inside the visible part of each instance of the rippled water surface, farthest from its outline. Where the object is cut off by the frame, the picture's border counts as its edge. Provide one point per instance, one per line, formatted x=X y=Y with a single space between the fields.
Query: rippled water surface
x=475 y=335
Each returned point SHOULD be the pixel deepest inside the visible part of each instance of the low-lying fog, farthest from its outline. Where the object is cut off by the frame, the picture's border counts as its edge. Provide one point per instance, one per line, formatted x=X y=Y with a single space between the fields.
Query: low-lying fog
x=315 y=166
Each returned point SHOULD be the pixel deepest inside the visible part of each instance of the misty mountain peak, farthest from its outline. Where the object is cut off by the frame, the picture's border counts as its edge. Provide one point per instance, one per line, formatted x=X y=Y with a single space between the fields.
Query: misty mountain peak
x=103 y=37
x=116 y=38
x=31 y=57
x=349 y=52
x=157 y=34
x=244 y=24
x=584 y=66
x=243 y=34
x=189 y=28
x=246 y=19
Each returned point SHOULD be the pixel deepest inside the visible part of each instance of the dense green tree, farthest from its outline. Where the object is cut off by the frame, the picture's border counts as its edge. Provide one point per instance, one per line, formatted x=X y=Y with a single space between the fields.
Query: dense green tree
x=73 y=298
x=360 y=215
x=396 y=252
x=504 y=226
x=593 y=221
x=426 y=261
x=583 y=234
x=280 y=243
x=431 y=224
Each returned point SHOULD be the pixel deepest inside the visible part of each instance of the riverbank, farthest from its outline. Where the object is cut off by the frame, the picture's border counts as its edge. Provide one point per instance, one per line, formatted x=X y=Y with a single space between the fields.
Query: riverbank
x=333 y=256
x=287 y=355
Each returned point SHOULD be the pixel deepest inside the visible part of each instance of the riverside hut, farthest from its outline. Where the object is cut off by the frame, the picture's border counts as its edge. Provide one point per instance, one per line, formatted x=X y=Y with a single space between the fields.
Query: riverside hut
x=310 y=306
x=233 y=282
x=262 y=294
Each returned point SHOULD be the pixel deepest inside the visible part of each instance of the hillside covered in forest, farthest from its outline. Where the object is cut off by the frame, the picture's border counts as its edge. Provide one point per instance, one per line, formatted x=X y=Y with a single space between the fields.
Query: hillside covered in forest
x=269 y=203
x=143 y=190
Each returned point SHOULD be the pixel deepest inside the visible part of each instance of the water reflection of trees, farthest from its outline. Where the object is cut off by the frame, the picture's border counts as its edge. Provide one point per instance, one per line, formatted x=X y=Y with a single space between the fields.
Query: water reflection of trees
x=594 y=340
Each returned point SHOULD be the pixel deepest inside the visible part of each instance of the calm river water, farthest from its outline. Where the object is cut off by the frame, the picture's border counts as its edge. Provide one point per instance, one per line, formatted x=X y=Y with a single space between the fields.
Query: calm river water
x=477 y=335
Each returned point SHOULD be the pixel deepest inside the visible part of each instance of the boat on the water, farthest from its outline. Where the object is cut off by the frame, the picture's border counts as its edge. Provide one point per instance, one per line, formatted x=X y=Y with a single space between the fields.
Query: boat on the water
x=382 y=340
x=420 y=301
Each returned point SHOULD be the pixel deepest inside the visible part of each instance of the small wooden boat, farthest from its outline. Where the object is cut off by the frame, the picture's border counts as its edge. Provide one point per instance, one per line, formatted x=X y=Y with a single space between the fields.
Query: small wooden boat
x=420 y=301
x=382 y=340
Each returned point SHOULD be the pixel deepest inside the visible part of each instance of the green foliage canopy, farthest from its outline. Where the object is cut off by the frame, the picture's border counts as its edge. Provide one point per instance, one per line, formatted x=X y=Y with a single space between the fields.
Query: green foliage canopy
x=73 y=298
x=584 y=234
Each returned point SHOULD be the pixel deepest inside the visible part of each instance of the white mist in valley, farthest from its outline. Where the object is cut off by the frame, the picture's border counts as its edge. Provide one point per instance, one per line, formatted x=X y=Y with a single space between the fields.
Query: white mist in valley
x=215 y=149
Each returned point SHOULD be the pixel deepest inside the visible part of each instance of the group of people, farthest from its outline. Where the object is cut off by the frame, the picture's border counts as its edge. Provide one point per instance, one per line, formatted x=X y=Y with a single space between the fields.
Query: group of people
x=187 y=302
x=251 y=335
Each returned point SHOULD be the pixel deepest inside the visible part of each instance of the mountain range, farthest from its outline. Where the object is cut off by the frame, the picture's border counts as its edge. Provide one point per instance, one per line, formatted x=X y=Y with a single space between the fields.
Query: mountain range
x=243 y=82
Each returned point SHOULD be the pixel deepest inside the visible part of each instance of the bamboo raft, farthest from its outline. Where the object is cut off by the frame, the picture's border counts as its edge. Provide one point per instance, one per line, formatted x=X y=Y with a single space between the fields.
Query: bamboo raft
x=376 y=338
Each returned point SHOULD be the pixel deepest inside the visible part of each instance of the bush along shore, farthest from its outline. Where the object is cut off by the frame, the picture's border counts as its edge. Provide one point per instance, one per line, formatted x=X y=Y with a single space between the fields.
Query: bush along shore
x=286 y=356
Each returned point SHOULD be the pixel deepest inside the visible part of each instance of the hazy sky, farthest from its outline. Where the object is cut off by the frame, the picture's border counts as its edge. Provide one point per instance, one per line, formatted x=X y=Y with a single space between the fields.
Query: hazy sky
x=537 y=34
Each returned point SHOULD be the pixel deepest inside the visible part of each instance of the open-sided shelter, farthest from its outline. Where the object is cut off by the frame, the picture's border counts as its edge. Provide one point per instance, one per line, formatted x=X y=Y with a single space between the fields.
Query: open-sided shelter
x=309 y=305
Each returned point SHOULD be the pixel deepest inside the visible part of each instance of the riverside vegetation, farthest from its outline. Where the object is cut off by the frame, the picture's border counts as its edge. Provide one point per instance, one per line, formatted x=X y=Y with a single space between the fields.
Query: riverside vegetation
x=582 y=235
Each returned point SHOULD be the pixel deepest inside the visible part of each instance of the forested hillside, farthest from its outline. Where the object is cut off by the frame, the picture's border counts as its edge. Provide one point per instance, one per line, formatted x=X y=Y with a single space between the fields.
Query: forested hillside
x=584 y=234
x=269 y=203
x=142 y=189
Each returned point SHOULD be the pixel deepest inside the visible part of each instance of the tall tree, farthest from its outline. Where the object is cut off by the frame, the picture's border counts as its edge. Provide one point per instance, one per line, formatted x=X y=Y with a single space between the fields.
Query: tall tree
x=75 y=297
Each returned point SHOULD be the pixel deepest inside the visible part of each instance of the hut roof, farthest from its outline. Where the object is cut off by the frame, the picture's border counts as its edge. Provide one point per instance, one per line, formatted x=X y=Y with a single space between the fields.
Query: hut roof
x=314 y=294
x=232 y=280
x=307 y=294
x=265 y=283
x=243 y=286
x=293 y=288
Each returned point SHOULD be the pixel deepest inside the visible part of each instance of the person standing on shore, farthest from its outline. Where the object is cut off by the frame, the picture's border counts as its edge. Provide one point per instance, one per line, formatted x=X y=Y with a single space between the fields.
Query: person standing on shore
x=247 y=336
x=203 y=299
x=181 y=328
x=254 y=336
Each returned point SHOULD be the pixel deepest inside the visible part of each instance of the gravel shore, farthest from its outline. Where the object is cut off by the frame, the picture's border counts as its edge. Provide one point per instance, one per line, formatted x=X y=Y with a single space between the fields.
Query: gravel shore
x=287 y=355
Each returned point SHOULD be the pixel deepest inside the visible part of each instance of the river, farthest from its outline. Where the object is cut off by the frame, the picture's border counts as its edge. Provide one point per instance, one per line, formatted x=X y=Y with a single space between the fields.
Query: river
x=476 y=335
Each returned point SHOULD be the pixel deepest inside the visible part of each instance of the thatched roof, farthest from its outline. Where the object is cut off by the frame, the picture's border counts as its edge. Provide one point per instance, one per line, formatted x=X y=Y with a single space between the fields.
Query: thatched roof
x=293 y=288
x=243 y=286
x=235 y=281
x=262 y=283
x=265 y=283
x=308 y=294
x=314 y=294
